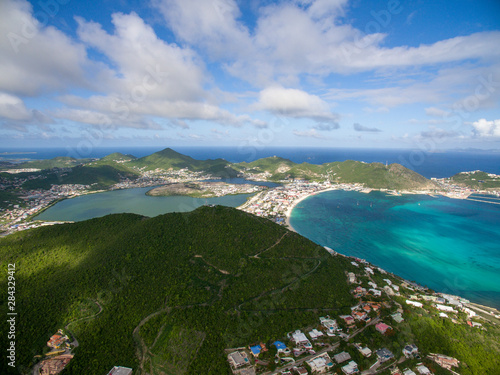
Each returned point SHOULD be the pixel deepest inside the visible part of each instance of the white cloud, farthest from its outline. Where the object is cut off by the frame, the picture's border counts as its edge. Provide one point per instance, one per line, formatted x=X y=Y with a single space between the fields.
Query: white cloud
x=306 y=37
x=146 y=66
x=295 y=104
x=486 y=129
x=13 y=108
x=50 y=59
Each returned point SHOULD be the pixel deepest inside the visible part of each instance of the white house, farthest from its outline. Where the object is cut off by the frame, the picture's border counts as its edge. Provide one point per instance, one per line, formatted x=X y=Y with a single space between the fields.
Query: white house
x=414 y=303
x=350 y=368
x=445 y=308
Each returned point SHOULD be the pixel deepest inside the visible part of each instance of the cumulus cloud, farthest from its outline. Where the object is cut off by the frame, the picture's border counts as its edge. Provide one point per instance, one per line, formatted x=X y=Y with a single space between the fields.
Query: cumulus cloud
x=295 y=103
x=486 y=129
x=13 y=108
x=306 y=36
x=360 y=128
x=28 y=49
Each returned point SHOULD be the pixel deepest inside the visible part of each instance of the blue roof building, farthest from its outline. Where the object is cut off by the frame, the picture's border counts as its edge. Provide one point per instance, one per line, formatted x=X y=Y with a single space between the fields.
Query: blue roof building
x=255 y=350
x=279 y=345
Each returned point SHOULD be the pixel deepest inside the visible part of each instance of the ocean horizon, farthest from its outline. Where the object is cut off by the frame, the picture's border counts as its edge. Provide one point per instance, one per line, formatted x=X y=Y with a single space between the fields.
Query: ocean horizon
x=435 y=164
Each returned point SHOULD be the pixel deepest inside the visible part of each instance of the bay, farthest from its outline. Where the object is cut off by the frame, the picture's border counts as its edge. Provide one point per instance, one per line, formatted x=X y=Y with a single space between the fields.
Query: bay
x=451 y=246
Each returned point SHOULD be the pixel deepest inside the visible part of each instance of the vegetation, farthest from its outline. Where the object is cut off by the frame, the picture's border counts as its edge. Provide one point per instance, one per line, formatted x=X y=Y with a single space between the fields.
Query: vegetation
x=175 y=292
x=477 y=180
x=193 y=276
x=99 y=176
x=57 y=162
x=373 y=175
x=170 y=159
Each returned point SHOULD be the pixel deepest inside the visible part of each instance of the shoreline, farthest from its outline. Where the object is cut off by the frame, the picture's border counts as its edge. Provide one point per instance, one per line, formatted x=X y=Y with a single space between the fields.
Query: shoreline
x=288 y=213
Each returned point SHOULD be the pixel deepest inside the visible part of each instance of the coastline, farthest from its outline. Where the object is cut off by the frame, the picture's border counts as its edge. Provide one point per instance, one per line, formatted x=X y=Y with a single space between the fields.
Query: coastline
x=288 y=213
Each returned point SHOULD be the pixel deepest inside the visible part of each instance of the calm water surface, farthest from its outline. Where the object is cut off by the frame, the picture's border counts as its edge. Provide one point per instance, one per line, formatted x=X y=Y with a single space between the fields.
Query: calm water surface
x=131 y=201
x=449 y=245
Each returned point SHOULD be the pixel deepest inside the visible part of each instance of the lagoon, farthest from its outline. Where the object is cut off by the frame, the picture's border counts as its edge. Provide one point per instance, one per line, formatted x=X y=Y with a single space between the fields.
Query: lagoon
x=132 y=200
x=449 y=245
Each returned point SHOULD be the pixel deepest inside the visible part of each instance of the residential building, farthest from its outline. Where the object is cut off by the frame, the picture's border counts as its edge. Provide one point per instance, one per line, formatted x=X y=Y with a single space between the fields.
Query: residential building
x=237 y=359
x=422 y=370
x=414 y=303
x=321 y=363
x=330 y=325
x=280 y=346
x=352 y=277
x=384 y=355
x=445 y=308
x=382 y=328
x=366 y=352
x=315 y=334
x=444 y=361
x=118 y=370
x=350 y=368
x=342 y=357
x=410 y=350
x=407 y=371
x=398 y=318
x=255 y=350
x=299 y=338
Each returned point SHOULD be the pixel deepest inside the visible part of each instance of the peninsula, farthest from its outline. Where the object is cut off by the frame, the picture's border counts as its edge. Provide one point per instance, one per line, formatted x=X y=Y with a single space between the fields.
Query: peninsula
x=203 y=189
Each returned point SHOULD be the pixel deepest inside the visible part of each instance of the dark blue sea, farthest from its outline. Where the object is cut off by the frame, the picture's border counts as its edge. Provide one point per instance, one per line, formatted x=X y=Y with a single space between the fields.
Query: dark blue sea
x=442 y=164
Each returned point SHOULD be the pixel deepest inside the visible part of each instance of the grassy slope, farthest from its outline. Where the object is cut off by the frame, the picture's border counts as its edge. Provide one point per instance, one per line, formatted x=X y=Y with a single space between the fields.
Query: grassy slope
x=101 y=175
x=57 y=162
x=169 y=158
x=374 y=175
x=477 y=180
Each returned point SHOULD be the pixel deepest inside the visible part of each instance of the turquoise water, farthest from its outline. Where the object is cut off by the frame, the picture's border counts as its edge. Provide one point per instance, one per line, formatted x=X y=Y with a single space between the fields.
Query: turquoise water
x=448 y=245
x=131 y=201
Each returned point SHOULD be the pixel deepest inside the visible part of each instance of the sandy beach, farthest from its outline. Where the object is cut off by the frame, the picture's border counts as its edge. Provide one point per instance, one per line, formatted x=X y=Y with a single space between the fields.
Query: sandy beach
x=296 y=202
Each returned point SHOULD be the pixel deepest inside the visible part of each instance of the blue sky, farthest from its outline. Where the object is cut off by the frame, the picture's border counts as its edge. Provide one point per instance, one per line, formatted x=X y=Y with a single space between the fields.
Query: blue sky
x=326 y=73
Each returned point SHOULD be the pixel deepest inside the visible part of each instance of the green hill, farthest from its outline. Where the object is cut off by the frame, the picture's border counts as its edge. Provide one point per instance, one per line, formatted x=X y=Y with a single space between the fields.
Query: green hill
x=477 y=180
x=373 y=175
x=167 y=295
x=57 y=162
x=201 y=280
x=377 y=175
x=100 y=176
x=170 y=159
x=118 y=156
